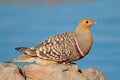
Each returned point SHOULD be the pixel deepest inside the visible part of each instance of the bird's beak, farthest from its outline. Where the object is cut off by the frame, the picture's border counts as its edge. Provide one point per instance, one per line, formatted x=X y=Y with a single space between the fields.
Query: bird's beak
x=95 y=22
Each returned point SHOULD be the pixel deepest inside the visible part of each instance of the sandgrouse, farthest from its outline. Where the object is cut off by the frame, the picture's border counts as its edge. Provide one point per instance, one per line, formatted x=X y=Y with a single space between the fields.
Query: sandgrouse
x=61 y=48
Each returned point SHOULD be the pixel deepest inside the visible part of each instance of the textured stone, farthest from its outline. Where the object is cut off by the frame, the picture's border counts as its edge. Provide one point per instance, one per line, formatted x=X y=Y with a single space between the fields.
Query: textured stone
x=10 y=72
x=48 y=72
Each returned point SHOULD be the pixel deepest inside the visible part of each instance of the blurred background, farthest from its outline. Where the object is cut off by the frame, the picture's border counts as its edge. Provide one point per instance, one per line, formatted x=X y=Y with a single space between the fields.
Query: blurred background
x=29 y=22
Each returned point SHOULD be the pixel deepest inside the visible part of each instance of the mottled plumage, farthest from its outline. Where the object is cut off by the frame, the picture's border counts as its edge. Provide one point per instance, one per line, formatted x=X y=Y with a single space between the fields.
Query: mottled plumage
x=65 y=47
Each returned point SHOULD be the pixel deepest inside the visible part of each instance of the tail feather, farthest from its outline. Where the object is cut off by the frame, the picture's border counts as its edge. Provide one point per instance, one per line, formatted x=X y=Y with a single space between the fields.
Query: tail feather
x=28 y=51
x=21 y=49
x=22 y=58
x=8 y=61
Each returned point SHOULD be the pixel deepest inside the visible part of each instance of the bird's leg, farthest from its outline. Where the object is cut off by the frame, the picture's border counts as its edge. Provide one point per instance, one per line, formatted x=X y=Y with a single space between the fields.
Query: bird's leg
x=73 y=63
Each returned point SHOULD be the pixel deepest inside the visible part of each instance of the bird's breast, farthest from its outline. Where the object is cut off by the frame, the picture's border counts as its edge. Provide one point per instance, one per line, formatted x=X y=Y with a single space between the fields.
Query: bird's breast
x=83 y=43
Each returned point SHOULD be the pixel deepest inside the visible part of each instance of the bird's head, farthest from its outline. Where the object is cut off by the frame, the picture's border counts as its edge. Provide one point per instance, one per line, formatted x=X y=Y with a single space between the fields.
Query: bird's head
x=85 y=23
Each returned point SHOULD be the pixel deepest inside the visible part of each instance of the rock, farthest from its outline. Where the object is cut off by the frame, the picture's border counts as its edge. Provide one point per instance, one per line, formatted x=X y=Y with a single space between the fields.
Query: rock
x=49 y=72
x=93 y=74
x=10 y=72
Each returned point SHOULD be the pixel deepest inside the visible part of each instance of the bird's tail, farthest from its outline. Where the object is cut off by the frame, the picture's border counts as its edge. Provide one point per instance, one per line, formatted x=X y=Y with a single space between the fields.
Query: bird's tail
x=21 y=49
x=22 y=58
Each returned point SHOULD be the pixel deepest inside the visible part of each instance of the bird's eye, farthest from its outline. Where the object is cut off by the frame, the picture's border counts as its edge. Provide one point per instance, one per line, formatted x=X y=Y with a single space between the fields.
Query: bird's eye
x=86 y=21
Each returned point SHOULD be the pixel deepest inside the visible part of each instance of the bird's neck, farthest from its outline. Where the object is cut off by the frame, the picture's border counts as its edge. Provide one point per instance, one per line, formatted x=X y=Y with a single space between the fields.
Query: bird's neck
x=83 y=32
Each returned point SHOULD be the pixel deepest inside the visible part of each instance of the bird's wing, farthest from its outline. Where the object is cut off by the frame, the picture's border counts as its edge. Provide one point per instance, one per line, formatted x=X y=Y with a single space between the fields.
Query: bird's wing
x=56 y=48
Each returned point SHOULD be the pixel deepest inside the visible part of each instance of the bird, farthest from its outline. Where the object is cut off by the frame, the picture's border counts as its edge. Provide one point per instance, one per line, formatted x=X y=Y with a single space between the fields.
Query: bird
x=65 y=47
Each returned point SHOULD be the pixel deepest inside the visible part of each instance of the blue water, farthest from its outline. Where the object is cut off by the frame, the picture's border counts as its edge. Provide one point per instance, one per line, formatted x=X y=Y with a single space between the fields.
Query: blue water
x=29 y=24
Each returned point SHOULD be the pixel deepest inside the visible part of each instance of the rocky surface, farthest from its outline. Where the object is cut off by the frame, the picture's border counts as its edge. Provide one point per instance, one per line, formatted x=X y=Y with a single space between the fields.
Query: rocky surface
x=49 y=72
